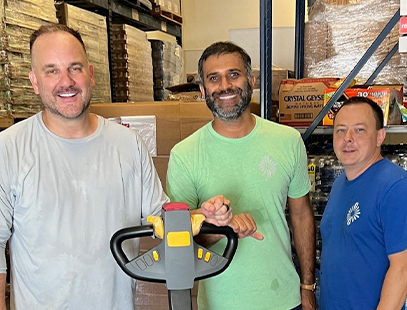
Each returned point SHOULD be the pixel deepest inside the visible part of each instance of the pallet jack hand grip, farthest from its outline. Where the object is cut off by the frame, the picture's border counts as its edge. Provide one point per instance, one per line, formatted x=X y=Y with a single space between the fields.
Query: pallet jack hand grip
x=122 y=235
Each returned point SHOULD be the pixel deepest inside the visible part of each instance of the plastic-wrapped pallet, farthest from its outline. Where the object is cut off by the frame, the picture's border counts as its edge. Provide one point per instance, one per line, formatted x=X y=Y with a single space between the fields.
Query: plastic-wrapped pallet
x=19 y=19
x=132 y=64
x=93 y=30
x=168 y=66
x=340 y=31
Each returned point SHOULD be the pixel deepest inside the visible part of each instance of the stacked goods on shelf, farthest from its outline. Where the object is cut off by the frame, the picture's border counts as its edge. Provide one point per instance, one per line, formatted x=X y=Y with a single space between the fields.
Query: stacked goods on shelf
x=322 y=171
x=388 y=98
x=132 y=67
x=339 y=32
x=93 y=30
x=19 y=18
x=169 y=9
x=300 y=101
x=167 y=66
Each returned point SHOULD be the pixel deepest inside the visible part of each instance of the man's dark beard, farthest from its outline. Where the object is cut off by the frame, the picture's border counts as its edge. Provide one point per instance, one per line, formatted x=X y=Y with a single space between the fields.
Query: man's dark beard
x=245 y=98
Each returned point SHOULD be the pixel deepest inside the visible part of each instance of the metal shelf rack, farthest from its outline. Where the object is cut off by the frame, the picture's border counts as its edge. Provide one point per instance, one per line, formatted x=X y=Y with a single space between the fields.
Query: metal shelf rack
x=266 y=56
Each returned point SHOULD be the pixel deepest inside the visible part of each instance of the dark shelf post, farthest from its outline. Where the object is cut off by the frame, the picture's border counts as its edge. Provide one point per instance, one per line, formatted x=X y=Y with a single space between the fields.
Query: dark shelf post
x=299 y=39
x=265 y=58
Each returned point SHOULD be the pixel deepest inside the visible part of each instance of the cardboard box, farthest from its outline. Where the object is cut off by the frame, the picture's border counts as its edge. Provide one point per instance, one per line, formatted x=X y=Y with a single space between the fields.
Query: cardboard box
x=386 y=97
x=161 y=165
x=166 y=113
x=300 y=101
x=6 y=122
x=277 y=76
x=193 y=115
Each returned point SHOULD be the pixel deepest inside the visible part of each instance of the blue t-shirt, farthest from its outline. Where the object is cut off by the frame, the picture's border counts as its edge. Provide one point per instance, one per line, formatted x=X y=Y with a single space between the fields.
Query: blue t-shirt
x=365 y=220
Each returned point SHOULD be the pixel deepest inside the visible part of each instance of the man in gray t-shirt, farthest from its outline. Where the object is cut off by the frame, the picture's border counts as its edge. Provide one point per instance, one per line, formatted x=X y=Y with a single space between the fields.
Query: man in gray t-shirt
x=70 y=179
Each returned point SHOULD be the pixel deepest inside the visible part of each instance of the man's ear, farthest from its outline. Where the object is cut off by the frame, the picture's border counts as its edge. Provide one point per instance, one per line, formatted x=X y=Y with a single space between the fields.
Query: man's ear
x=381 y=135
x=33 y=80
x=202 y=90
x=252 y=81
x=92 y=75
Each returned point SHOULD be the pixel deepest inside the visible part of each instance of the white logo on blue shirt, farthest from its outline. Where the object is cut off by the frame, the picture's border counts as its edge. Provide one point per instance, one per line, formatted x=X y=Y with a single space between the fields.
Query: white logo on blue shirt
x=267 y=166
x=353 y=214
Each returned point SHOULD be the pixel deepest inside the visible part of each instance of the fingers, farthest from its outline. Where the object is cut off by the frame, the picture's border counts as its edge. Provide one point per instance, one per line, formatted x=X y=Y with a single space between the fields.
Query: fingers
x=217 y=210
x=244 y=225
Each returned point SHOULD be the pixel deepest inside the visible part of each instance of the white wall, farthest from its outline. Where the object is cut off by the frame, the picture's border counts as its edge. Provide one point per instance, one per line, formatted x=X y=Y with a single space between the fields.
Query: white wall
x=208 y=21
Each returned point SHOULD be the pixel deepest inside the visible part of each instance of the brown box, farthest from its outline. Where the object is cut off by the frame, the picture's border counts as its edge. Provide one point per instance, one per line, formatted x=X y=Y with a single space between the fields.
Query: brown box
x=386 y=97
x=300 y=101
x=6 y=122
x=166 y=113
x=277 y=76
x=161 y=165
x=193 y=115
x=255 y=108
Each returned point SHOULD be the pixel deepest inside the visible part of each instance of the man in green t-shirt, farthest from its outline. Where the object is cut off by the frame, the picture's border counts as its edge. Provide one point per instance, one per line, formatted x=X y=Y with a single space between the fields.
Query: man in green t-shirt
x=260 y=166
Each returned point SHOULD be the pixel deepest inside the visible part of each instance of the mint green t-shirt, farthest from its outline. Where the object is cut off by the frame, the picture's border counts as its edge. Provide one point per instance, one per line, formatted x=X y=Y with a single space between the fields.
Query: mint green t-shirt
x=257 y=173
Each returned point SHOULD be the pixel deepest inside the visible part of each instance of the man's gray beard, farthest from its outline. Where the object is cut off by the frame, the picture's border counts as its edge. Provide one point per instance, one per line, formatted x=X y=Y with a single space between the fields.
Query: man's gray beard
x=237 y=111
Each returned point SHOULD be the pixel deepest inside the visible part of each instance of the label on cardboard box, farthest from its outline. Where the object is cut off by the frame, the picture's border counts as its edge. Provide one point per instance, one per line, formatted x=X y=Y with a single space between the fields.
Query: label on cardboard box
x=386 y=97
x=300 y=101
x=403 y=25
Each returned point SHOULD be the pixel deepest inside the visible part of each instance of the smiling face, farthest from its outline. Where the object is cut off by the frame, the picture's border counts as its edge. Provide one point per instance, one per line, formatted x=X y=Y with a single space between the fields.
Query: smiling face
x=61 y=75
x=226 y=88
x=356 y=139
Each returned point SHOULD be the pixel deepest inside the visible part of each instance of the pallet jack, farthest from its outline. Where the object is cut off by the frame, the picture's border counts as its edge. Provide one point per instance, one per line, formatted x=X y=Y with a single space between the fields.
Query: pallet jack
x=177 y=260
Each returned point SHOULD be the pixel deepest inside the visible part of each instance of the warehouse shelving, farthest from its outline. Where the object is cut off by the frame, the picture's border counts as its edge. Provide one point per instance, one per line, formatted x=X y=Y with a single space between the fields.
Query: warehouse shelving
x=135 y=13
x=328 y=130
x=266 y=56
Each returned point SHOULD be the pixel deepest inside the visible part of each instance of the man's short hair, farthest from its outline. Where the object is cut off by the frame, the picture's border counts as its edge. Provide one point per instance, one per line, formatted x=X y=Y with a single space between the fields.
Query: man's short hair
x=377 y=110
x=222 y=48
x=54 y=28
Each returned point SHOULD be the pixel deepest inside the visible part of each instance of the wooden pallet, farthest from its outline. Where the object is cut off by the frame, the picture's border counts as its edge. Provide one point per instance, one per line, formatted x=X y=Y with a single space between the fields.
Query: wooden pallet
x=158 y=12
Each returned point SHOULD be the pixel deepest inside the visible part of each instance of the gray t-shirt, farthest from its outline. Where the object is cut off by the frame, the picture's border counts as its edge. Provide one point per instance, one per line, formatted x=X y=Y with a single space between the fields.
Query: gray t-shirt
x=61 y=200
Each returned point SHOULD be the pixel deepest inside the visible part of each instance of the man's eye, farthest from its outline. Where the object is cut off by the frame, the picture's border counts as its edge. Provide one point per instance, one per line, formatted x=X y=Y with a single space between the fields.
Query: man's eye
x=76 y=69
x=50 y=72
x=213 y=79
x=234 y=75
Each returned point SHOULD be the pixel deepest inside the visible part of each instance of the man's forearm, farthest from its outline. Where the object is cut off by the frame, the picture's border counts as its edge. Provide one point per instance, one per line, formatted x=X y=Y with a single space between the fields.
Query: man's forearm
x=304 y=242
x=394 y=290
x=3 y=291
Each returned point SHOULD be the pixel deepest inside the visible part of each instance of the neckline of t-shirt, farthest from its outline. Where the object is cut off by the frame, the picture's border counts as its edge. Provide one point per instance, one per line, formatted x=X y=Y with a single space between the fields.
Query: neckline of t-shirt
x=364 y=172
x=236 y=140
x=72 y=141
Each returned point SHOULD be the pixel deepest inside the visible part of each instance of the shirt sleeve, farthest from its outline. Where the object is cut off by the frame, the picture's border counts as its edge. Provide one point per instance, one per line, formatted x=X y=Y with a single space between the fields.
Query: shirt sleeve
x=6 y=207
x=300 y=184
x=394 y=217
x=154 y=196
x=180 y=184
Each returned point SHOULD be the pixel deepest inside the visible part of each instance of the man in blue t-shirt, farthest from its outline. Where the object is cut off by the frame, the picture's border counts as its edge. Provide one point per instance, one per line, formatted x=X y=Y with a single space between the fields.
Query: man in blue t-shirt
x=364 y=226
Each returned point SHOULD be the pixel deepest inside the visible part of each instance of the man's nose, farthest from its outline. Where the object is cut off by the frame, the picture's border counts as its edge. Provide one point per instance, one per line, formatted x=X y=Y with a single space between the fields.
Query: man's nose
x=348 y=136
x=66 y=79
x=225 y=83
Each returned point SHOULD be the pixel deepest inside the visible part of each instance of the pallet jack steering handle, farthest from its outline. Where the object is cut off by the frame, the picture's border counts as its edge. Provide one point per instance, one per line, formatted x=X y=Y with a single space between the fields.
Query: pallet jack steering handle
x=147 y=231
x=178 y=260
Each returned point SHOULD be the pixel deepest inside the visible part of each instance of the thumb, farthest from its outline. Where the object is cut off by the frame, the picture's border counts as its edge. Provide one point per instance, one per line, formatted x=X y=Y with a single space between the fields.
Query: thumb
x=258 y=236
